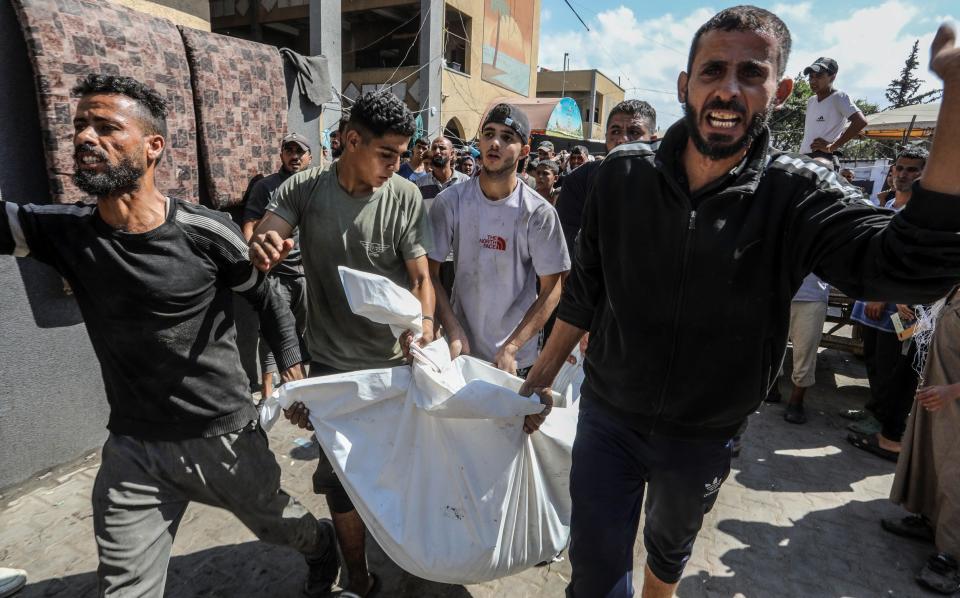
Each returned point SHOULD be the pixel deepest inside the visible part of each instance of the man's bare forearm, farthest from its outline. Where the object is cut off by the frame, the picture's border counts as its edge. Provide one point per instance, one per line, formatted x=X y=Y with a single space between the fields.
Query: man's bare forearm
x=563 y=338
x=537 y=315
x=852 y=131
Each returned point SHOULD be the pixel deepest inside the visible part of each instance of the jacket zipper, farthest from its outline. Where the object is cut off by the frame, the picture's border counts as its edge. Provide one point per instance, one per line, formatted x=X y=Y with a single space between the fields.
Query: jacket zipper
x=687 y=242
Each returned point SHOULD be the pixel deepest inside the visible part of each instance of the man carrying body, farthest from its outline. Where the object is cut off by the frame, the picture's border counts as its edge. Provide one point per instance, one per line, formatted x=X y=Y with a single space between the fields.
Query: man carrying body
x=362 y=215
x=504 y=238
x=153 y=277
x=722 y=216
x=630 y=120
x=417 y=167
x=825 y=128
x=294 y=157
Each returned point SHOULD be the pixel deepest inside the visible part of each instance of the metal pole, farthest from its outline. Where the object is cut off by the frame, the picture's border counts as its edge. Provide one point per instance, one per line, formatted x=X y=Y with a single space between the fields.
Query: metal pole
x=906 y=136
x=593 y=101
x=563 y=84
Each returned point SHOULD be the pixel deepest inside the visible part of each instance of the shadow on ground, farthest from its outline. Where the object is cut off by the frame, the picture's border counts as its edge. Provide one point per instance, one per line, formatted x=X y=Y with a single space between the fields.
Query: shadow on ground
x=813 y=457
x=778 y=560
x=249 y=570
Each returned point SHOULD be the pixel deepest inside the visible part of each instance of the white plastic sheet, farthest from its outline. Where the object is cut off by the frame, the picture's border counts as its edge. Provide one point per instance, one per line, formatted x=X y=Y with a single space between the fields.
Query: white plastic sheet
x=434 y=456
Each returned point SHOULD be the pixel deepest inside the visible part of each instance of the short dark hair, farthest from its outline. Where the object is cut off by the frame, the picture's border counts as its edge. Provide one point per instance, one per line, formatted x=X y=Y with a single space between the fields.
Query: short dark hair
x=550 y=164
x=381 y=113
x=153 y=107
x=637 y=108
x=747 y=18
x=913 y=153
x=579 y=150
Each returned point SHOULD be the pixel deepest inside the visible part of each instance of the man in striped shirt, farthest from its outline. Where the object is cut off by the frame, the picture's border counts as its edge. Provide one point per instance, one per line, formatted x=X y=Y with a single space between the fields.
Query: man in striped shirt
x=153 y=277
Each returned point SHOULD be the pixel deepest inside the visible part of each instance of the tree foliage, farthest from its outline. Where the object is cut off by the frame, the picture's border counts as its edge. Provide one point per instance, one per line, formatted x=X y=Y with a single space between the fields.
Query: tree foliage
x=786 y=125
x=904 y=90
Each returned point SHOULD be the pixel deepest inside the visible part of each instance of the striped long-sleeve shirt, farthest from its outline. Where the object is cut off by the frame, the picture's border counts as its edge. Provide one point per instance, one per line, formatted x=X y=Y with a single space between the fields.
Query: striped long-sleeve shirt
x=158 y=308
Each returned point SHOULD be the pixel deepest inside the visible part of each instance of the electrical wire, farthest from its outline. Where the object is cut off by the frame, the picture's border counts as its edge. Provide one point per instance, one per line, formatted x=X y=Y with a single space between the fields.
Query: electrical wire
x=383 y=37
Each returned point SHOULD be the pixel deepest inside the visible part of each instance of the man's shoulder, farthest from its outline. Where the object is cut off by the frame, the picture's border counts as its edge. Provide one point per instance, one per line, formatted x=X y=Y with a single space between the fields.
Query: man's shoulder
x=57 y=210
x=201 y=222
x=270 y=182
x=402 y=187
x=644 y=151
x=805 y=172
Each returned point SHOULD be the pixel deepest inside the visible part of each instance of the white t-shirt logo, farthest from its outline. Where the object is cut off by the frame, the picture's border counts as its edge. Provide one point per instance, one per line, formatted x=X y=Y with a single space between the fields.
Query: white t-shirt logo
x=494 y=242
x=373 y=249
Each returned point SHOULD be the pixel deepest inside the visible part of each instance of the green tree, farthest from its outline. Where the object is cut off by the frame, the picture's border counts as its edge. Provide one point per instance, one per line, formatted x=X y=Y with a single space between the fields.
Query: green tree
x=903 y=91
x=786 y=125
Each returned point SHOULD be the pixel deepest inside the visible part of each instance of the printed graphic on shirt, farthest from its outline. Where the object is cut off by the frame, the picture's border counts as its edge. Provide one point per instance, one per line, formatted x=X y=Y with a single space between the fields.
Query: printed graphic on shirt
x=494 y=242
x=712 y=487
x=820 y=119
x=374 y=250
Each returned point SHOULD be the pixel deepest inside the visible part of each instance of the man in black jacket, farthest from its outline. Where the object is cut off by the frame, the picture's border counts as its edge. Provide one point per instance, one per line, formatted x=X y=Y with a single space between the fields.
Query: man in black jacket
x=716 y=213
x=630 y=120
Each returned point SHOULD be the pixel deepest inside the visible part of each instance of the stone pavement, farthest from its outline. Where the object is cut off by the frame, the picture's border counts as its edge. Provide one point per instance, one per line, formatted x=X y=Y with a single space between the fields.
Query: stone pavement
x=797 y=517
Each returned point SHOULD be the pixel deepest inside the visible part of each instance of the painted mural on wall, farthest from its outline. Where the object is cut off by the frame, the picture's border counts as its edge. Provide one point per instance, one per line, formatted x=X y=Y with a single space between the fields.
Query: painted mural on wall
x=507 y=43
x=565 y=120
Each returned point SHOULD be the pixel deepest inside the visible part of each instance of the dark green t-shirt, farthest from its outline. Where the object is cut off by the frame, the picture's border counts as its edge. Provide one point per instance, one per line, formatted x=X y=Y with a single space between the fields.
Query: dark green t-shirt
x=376 y=233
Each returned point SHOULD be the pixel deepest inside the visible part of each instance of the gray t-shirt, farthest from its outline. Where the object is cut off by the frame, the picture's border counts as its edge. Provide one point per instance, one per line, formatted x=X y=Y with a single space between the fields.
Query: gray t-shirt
x=255 y=209
x=499 y=249
x=376 y=233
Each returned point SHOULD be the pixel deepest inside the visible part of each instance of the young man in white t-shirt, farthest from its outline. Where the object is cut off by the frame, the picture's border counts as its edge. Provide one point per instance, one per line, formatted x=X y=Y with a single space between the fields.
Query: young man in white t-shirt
x=829 y=110
x=505 y=239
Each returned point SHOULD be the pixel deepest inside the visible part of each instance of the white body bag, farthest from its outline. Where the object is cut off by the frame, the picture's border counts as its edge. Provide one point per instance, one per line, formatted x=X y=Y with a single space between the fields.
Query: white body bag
x=434 y=456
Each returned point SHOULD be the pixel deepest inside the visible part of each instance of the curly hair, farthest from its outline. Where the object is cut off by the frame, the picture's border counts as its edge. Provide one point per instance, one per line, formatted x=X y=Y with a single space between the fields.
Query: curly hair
x=153 y=107
x=747 y=18
x=380 y=113
x=636 y=108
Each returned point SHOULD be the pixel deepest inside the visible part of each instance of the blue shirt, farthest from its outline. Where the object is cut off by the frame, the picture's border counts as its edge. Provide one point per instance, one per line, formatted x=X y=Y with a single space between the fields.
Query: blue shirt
x=813 y=289
x=884 y=323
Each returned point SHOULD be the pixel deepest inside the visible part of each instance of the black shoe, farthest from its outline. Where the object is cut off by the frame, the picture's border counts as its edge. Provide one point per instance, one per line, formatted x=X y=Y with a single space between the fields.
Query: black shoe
x=795 y=414
x=324 y=566
x=773 y=396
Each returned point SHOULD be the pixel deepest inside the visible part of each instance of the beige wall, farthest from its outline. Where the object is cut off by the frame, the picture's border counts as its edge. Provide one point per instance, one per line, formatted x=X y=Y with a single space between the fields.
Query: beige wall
x=578 y=85
x=466 y=96
x=189 y=13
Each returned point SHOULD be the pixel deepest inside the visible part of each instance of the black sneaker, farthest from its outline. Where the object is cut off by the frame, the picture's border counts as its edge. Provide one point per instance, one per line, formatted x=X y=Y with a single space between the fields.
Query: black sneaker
x=323 y=567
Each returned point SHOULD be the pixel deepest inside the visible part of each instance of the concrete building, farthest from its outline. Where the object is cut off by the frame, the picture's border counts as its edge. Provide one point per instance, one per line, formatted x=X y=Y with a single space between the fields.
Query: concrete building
x=446 y=59
x=594 y=92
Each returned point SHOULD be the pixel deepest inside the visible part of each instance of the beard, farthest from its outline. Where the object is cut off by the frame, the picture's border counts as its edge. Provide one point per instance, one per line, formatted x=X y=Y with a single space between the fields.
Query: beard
x=123 y=177
x=501 y=172
x=717 y=146
x=439 y=161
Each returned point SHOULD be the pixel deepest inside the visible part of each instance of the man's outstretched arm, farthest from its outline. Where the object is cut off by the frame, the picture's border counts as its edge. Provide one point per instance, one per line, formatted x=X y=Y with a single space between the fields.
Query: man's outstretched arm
x=942 y=174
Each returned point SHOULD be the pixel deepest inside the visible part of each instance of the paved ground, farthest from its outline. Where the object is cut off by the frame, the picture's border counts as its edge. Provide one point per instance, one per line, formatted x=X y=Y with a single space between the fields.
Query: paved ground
x=798 y=517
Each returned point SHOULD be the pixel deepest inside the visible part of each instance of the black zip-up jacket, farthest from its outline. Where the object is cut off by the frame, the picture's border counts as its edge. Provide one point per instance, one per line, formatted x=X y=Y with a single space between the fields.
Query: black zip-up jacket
x=688 y=308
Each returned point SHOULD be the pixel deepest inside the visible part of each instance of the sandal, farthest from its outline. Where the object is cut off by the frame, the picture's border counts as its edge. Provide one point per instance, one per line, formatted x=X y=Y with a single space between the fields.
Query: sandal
x=371 y=592
x=915 y=527
x=940 y=574
x=872 y=445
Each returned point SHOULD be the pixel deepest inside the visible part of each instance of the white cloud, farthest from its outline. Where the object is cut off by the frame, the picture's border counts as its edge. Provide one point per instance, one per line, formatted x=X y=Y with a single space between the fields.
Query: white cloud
x=647 y=54
x=793 y=12
x=870 y=46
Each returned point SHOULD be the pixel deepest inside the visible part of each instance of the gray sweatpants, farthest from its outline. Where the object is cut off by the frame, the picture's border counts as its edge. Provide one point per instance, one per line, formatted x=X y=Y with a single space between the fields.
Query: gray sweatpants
x=143 y=488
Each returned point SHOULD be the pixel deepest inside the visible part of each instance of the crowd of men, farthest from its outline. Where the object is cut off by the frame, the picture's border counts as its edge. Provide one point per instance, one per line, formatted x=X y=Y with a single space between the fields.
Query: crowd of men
x=683 y=265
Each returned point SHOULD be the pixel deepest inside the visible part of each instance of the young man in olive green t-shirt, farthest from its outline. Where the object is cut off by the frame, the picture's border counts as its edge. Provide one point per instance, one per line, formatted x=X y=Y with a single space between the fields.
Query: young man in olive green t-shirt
x=361 y=215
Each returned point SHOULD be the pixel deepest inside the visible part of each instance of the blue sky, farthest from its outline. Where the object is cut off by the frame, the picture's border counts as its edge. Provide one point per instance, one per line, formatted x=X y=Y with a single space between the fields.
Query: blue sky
x=644 y=44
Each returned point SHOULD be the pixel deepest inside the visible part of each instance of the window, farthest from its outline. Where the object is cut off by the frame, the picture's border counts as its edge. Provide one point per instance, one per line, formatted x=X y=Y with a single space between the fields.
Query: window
x=456 y=41
x=381 y=38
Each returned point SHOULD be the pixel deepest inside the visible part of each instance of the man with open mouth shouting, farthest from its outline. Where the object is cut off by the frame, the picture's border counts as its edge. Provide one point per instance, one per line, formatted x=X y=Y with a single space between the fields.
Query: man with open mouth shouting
x=683 y=274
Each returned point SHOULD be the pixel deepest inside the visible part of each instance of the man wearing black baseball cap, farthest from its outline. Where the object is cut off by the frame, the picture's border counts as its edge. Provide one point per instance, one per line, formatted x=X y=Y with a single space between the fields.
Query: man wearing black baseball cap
x=825 y=129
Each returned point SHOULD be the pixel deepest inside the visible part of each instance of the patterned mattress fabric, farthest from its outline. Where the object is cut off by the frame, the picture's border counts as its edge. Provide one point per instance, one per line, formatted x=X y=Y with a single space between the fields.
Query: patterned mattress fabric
x=241 y=100
x=67 y=39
